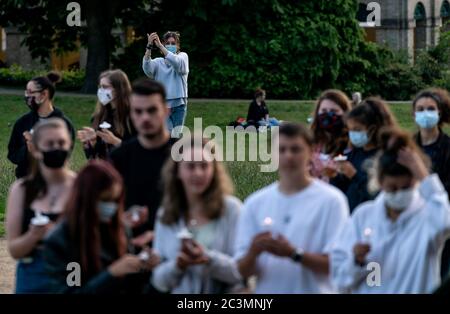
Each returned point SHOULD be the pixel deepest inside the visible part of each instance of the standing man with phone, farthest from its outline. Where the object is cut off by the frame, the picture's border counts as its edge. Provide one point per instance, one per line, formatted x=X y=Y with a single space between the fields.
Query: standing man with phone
x=172 y=71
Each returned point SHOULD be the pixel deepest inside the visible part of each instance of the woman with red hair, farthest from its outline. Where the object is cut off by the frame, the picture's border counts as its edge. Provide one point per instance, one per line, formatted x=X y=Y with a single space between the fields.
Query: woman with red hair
x=92 y=234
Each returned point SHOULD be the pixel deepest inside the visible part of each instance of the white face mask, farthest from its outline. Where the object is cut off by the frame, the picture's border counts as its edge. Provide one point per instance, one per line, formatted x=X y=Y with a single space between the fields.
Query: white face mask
x=400 y=200
x=107 y=210
x=104 y=96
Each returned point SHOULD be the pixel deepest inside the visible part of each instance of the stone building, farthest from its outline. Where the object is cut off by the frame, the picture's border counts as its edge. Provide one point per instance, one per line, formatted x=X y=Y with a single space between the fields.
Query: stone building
x=408 y=25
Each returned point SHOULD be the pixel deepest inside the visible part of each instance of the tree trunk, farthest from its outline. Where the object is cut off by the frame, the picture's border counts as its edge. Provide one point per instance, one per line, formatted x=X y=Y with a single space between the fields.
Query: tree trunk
x=100 y=18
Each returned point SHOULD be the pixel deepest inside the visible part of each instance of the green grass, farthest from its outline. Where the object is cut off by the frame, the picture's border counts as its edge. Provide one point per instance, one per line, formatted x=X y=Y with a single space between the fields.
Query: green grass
x=246 y=175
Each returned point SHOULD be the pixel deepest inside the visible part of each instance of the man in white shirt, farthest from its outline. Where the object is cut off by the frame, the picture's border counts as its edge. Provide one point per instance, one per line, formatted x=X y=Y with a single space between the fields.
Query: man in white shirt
x=286 y=229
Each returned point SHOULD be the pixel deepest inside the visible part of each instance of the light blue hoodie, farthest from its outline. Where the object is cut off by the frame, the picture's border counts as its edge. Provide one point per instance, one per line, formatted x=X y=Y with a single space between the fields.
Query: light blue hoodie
x=171 y=71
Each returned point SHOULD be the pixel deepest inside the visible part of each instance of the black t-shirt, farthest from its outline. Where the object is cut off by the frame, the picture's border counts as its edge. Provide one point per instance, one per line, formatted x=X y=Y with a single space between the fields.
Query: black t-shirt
x=257 y=112
x=141 y=171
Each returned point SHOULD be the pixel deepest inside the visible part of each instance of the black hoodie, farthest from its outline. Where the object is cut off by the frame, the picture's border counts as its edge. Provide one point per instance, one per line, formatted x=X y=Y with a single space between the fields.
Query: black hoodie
x=17 y=147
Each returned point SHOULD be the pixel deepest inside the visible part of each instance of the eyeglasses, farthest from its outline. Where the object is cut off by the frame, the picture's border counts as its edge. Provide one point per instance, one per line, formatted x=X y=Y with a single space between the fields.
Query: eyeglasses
x=27 y=93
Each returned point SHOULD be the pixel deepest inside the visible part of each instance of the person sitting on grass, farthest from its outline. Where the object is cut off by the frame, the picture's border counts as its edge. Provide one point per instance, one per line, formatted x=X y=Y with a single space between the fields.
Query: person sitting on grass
x=258 y=113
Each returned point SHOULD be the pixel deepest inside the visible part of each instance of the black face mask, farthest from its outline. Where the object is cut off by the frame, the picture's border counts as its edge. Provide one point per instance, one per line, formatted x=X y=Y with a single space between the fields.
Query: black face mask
x=331 y=122
x=30 y=101
x=55 y=158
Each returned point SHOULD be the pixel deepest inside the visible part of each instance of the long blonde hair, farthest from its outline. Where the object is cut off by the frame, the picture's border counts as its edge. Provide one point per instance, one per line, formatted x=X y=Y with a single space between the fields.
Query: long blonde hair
x=174 y=200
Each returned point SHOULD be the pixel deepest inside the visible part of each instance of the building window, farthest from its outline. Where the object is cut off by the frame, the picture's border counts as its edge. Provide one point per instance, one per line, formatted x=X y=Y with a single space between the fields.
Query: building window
x=445 y=10
x=419 y=12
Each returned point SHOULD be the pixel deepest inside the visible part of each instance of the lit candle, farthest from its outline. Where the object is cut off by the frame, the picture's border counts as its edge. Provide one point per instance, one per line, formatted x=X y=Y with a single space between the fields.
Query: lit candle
x=105 y=125
x=39 y=219
x=367 y=234
x=340 y=158
x=144 y=256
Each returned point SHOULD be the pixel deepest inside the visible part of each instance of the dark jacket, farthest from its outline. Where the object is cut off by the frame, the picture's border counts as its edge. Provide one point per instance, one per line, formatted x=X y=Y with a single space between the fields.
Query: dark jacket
x=102 y=149
x=439 y=153
x=356 y=188
x=256 y=113
x=59 y=250
x=17 y=147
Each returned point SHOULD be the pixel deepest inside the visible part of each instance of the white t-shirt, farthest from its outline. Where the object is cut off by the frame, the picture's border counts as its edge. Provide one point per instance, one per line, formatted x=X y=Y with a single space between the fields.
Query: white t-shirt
x=309 y=219
x=407 y=251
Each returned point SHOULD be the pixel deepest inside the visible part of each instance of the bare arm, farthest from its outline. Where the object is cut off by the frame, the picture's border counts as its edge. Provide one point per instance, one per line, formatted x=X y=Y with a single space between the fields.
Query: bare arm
x=20 y=245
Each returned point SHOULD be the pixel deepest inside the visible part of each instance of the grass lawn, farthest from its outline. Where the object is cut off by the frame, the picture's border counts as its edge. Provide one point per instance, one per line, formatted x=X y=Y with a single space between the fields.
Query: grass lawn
x=246 y=175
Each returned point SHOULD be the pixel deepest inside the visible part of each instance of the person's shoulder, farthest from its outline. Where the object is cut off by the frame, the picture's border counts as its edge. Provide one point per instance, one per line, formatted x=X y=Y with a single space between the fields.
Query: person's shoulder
x=327 y=191
x=232 y=205
x=183 y=54
x=17 y=187
x=368 y=208
x=261 y=195
x=25 y=118
x=446 y=139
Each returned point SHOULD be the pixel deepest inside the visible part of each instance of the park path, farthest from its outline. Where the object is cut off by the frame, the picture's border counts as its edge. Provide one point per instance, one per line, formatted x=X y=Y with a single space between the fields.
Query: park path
x=7 y=269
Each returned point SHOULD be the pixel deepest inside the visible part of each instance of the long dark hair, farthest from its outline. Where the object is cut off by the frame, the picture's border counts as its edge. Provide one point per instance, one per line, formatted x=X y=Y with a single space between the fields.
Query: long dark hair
x=373 y=113
x=83 y=218
x=334 y=143
x=35 y=184
x=122 y=88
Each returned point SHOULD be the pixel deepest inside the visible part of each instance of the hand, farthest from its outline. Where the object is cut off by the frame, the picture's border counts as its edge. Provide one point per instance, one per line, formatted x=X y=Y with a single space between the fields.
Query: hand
x=330 y=171
x=192 y=248
x=258 y=243
x=184 y=261
x=346 y=168
x=39 y=232
x=127 y=264
x=87 y=135
x=360 y=250
x=153 y=37
x=152 y=261
x=411 y=160
x=108 y=137
x=279 y=246
x=143 y=240
x=135 y=216
x=28 y=140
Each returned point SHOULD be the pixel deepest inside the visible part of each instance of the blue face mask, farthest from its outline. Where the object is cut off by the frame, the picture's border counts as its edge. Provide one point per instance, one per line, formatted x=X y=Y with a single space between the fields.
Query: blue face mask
x=358 y=138
x=427 y=119
x=171 y=48
x=107 y=210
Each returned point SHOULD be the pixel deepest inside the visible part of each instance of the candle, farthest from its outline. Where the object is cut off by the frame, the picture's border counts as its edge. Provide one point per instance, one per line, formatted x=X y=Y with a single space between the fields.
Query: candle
x=144 y=256
x=105 y=125
x=39 y=219
x=340 y=158
x=367 y=234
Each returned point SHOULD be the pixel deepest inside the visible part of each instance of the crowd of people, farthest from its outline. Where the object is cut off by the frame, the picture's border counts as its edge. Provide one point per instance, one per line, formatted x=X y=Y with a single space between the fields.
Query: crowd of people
x=353 y=189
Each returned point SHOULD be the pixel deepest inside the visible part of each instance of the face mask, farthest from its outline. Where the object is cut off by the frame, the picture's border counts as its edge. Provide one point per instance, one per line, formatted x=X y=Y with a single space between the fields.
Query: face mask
x=104 y=96
x=399 y=200
x=330 y=122
x=55 y=158
x=107 y=210
x=358 y=138
x=427 y=119
x=31 y=102
x=171 y=48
